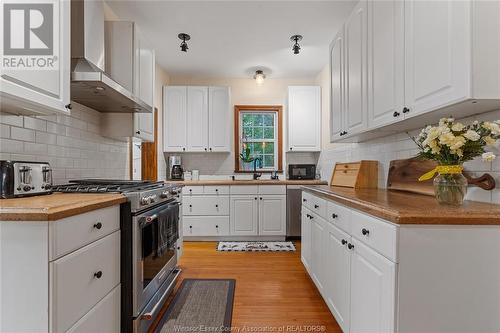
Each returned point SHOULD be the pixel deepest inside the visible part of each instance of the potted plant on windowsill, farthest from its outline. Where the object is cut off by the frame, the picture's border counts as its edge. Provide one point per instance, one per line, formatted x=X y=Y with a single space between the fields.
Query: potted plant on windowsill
x=245 y=157
x=452 y=143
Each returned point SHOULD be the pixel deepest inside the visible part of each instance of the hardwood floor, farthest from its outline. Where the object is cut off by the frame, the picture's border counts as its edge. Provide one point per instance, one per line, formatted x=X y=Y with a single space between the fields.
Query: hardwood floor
x=272 y=288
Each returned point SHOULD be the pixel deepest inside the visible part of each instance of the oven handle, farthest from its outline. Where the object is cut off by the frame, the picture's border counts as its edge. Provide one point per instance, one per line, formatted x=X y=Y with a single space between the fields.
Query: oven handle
x=149 y=315
x=149 y=219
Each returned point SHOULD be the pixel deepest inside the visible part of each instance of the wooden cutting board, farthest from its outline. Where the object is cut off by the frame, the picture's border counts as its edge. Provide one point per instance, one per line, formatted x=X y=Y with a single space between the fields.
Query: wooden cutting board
x=404 y=174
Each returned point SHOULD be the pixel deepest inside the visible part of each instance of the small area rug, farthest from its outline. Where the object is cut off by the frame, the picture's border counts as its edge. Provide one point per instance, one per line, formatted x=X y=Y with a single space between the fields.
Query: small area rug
x=256 y=246
x=200 y=305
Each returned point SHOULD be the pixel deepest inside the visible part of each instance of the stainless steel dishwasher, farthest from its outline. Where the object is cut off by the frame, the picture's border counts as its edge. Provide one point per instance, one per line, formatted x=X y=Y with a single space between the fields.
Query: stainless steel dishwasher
x=293 y=211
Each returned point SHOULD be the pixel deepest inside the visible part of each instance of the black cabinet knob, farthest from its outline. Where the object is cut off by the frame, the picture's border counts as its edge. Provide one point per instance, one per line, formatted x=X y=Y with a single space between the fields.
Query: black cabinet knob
x=190 y=190
x=178 y=247
x=304 y=200
x=138 y=132
x=190 y=227
x=183 y=149
x=365 y=231
x=396 y=114
x=210 y=149
x=98 y=225
x=255 y=198
x=190 y=206
x=291 y=148
x=205 y=149
x=316 y=206
x=260 y=198
x=216 y=190
x=344 y=242
x=406 y=110
x=98 y=274
x=216 y=226
x=68 y=106
x=334 y=216
x=350 y=246
x=216 y=206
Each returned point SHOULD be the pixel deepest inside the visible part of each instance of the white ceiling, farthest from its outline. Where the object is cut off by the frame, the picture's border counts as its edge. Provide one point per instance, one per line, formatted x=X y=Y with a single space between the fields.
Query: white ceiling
x=230 y=39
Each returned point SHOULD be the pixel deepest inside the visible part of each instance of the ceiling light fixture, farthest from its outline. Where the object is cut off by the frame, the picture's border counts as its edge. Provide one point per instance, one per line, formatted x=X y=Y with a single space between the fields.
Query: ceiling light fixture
x=259 y=77
x=296 y=46
x=184 y=37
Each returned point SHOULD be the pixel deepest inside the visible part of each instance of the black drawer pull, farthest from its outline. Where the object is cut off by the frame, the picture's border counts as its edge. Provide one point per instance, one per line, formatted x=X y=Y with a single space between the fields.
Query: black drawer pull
x=98 y=225
x=190 y=206
x=216 y=206
x=344 y=242
x=316 y=206
x=98 y=275
x=255 y=198
x=304 y=200
x=365 y=231
x=350 y=246
x=216 y=226
x=334 y=216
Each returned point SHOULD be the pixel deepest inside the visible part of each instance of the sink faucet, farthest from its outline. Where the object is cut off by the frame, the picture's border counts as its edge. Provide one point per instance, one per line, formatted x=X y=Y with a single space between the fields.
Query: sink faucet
x=255 y=174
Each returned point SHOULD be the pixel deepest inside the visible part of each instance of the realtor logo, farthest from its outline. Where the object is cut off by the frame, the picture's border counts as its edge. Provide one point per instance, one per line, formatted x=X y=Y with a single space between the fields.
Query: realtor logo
x=29 y=39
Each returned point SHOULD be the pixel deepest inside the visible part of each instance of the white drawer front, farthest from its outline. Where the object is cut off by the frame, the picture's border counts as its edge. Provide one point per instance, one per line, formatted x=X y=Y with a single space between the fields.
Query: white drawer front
x=244 y=189
x=317 y=205
x=307 y=199
x=71 y=233
x=379 y=235
x=216 y=190
x=272 y=189
x=205 y=205
x=103 y=318
x=74 y=284
x=339 y=216
x=206 y=226
x=192 y=190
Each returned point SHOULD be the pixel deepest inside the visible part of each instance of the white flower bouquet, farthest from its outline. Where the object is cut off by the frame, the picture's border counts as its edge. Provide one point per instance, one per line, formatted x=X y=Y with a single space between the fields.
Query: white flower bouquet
x=451 y=144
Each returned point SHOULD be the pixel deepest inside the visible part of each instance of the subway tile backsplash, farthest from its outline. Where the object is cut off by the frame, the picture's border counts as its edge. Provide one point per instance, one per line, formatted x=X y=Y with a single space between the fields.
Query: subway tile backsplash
x=72 y=144
x=400 y=146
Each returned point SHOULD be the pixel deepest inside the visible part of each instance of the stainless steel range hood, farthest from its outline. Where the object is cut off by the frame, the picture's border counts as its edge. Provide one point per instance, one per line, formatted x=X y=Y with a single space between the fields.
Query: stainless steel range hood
x=90 y=85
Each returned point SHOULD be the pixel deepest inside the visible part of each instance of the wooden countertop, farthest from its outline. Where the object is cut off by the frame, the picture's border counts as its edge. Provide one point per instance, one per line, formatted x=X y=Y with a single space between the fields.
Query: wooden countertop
x=408 y=208
x=248 y=182
x=55 y=206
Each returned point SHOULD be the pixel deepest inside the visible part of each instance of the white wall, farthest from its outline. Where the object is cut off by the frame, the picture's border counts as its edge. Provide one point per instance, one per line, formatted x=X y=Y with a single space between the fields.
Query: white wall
x=397 y=146
x=243 y=92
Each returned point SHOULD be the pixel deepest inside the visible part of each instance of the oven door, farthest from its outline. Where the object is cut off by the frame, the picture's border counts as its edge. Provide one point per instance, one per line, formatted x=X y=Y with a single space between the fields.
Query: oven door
x=150 y=270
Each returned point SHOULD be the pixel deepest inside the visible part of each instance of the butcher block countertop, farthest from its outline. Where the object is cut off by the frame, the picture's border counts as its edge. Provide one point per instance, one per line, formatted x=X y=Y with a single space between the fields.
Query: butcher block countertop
x=248 y=182
x=408 y=208
x=55 y=206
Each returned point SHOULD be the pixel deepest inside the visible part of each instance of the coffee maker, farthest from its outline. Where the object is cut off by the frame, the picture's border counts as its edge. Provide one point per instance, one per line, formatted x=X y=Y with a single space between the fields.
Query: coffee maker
x=174 y=171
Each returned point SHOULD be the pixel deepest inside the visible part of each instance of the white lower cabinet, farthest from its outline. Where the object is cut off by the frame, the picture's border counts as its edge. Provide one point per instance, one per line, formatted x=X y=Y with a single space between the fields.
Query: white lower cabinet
x=305 y=244
x=317 y=250
x=272 y=215
x=206 y=226
x=244 y=215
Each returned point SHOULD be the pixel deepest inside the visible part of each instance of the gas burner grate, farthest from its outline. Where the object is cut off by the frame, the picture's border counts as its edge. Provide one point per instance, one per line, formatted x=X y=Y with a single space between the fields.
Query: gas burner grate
x=76 y=188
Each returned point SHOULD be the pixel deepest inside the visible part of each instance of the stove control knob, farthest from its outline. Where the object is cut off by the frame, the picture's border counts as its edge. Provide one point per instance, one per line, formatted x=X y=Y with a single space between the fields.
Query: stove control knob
x=144 y=201
x=164 y=194
x=152 y=198
x=26 y=188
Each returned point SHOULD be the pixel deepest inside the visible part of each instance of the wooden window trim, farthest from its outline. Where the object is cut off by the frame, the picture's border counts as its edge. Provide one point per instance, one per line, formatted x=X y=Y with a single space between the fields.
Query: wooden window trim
x=238 y=109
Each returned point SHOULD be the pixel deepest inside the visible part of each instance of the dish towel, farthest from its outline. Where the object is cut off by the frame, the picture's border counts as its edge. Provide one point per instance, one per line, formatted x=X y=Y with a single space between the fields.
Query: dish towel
x=166 y=229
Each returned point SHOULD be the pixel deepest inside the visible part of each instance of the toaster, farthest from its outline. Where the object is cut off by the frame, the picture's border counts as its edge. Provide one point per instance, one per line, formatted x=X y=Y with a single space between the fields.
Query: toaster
x=22 y=179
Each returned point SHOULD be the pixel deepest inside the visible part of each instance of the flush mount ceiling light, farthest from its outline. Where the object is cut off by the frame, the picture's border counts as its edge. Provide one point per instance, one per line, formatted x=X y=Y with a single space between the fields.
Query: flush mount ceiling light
x=184 y=37
x=259 y=77
x=296 y=46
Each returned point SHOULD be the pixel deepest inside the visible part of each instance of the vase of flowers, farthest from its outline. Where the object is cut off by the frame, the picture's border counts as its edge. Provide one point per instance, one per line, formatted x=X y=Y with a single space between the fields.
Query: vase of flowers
x=450 y=144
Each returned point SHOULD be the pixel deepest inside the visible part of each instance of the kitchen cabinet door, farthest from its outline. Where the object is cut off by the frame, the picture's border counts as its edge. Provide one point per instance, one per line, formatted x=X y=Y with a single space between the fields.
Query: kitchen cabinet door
x=338 y=275
x=356 y=69
x=197 y=119
x=337 y=111
x=304 y=118
x=174 y=119
x=318 y=253
x=385 y=62
x=144 y=122
x=272 y=215
x=373 y=291
x=44 y=91
x=244 y=215
x=305 y=239
x=219 y=124
x=438 y=52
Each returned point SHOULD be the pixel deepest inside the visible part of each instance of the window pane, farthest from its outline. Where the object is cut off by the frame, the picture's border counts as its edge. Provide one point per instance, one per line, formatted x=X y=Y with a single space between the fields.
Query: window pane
x=258 y=120
x=268 y=161
x=247 y=119
x=247 y=132
x=257 y=148
x=258 y=133
x=268 y=120
x=268 y=132
x=269 y=148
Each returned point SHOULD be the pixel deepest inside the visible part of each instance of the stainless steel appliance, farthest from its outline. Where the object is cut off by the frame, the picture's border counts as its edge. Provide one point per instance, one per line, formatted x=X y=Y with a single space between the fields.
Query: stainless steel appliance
x=293 y=211
x=301 y=171
x=21 y=179
x=175 y=171
x=148 y=277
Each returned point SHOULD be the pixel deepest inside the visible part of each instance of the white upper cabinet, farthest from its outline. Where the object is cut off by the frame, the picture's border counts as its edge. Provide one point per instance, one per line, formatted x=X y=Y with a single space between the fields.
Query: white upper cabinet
x=219 y=115
x=44 y=91
x=174 y=119
x=304 y=118
x=197 y=119
x=385 y=62
x=356 y=69
x=337 y=70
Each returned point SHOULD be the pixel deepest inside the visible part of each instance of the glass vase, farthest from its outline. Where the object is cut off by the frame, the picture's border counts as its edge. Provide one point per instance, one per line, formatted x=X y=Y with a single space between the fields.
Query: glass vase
x=450 y=189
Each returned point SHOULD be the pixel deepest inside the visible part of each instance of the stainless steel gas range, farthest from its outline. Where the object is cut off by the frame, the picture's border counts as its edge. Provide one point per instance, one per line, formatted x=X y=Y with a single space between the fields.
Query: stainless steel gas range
x=148 y=276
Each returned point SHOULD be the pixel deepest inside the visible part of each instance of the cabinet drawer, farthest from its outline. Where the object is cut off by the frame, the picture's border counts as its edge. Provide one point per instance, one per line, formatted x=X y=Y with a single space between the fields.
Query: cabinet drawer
x=272 y=189
x=71 y=233
x=205 y=205
x=217 y=190
x=314 y=203
x=379 y=235
x=192 y=190
x=339 y=216
x=75 y=283
x=206 y=226
x=104 y=317
x=244 y=189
